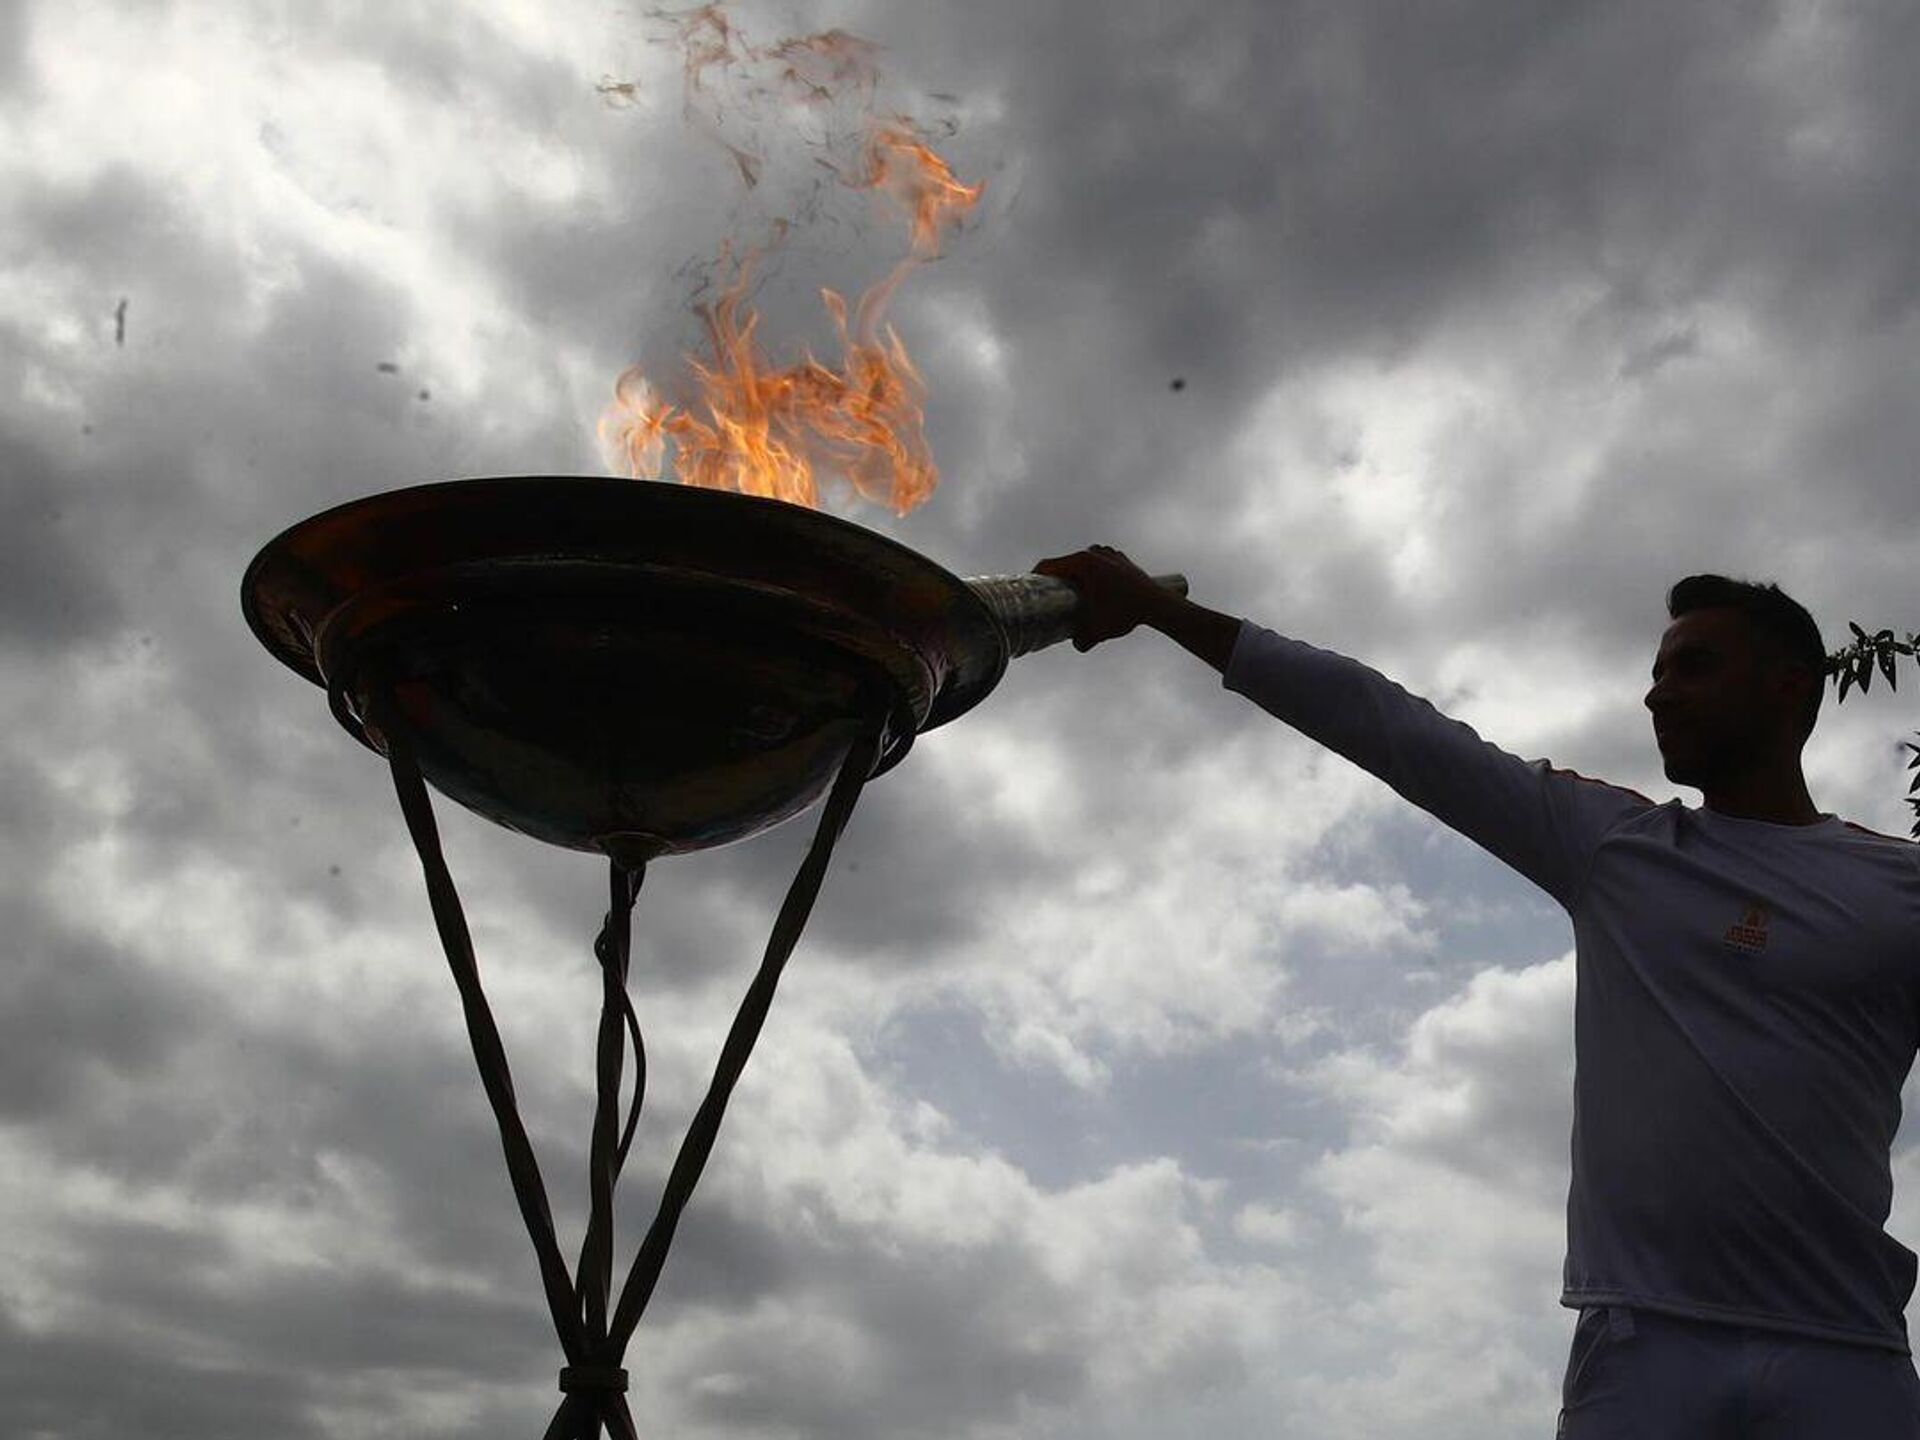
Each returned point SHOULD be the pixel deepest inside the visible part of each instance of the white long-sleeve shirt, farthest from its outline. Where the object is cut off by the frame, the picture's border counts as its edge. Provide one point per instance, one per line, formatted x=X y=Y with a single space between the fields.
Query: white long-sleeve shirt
x=1747 y=1008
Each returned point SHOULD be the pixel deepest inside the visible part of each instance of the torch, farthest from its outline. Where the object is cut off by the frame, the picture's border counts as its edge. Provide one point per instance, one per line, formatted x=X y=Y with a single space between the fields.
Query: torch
x=635 y=669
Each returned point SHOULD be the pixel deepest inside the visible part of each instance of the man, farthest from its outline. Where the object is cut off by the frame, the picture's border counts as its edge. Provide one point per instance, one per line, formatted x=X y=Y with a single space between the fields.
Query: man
x=1748 y=1005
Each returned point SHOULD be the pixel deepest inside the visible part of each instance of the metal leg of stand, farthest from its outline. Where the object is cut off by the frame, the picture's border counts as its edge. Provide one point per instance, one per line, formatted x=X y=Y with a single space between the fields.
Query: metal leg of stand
x=593 y=1341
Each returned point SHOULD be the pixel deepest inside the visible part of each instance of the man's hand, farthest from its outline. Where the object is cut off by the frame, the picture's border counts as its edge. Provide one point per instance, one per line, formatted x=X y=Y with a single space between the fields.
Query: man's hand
x=1116 y=595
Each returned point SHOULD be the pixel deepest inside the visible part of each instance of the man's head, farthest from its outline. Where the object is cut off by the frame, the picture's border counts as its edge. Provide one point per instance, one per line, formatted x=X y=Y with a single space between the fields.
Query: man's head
x=1737 y=682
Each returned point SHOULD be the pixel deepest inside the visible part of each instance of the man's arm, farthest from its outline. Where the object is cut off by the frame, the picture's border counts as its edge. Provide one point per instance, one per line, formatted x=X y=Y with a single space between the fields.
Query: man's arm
x=1541 y=821
x=1116 y=596
x=1198 y=630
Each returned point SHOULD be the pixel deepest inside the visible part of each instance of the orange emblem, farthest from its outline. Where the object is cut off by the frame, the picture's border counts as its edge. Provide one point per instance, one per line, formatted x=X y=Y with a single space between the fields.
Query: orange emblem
x=1750 y=934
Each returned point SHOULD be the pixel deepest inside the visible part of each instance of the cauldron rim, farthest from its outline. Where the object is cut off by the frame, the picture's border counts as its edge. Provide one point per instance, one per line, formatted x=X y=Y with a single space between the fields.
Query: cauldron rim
x=295 y=584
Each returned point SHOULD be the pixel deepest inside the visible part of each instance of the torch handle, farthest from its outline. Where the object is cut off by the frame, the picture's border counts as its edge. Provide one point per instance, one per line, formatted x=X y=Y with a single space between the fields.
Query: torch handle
x=1036 y=611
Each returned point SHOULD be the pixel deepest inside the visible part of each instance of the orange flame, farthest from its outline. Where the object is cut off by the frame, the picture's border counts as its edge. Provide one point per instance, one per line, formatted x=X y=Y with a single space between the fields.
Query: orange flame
x=903 y=167
x=767 y=429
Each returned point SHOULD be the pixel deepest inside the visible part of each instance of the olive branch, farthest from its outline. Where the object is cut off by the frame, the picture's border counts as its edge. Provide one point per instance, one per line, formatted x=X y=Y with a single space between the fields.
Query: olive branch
x=1855 y=665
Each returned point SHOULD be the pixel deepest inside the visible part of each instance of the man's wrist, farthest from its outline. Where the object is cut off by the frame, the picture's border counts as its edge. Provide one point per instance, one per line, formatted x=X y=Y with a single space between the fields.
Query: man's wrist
x=1162 y=608
x=1206 y=633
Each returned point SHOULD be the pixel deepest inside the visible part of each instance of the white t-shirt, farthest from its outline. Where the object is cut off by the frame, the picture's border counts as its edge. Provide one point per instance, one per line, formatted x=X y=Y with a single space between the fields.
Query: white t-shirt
x=1747 y=1009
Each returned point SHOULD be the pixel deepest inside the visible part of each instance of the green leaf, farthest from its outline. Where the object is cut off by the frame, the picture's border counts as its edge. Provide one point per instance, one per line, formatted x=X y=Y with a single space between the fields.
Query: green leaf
x=1886 y=669
x=1858 y=634
x=1846 y=680
x=1864 y=668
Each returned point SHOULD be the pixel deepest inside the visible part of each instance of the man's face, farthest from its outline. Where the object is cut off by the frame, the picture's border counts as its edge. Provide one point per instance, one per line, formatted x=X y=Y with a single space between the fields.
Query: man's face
x=1722 y=702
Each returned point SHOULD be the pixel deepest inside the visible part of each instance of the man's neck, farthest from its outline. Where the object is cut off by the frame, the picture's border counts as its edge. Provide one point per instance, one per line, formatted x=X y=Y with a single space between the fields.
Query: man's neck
x=1779 y=797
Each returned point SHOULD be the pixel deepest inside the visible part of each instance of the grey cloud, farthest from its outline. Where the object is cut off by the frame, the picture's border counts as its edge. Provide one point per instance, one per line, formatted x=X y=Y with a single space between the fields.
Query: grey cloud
x=86 y=1386
x=214 y=1298
x=721 y=1260
x=48 y=598
x=475 y=68
x=81 y=1019
x=1861 y=449
x=14 y=30
x=73 y=1011
x=251 y=1347
x=942 y=1338
x=1504 y=1047
x=1386 y=171
x=1217 y=1109
x=1237 y=195
x=908 y=875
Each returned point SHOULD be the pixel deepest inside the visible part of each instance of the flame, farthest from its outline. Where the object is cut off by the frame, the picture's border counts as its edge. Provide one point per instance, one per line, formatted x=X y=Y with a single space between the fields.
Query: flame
x=763 y=428
x=904 y=168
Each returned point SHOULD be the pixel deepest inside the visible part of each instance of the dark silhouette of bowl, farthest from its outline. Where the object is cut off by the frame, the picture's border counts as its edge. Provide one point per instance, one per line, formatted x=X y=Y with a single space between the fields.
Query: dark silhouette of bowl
x=627 y=667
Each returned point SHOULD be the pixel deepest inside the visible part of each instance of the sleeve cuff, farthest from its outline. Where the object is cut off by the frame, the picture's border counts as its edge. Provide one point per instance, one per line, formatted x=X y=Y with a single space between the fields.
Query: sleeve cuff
x=1242 y=643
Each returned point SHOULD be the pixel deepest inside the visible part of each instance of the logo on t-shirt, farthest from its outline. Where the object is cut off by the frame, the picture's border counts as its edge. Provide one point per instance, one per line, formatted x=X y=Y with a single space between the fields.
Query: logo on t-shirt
x=1749 y=936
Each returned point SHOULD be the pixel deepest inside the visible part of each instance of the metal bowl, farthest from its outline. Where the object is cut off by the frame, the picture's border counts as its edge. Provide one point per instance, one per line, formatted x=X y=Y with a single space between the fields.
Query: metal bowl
x=628 y=667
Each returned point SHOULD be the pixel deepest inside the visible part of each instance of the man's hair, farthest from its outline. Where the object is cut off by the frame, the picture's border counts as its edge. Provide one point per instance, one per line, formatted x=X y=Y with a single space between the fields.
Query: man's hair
x=1782 y=623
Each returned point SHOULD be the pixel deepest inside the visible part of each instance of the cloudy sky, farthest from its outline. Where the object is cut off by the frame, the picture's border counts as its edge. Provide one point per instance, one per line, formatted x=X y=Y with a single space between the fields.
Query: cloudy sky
x=1144 y=1072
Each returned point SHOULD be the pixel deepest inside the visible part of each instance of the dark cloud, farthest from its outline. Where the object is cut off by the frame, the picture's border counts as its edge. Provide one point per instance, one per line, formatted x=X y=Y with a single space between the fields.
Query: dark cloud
x=212 y=1296
x=911 y=868
x=1256 y=185
x=251 y=1346
x=722 y=1262
x=943 y=1335
x=75 y=1012
x=48 y=598
x=1699 y=215
x=88 y=1385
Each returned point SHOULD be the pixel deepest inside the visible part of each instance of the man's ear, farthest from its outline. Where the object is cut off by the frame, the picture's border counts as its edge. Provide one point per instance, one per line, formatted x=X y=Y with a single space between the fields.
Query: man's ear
x=1802 y=683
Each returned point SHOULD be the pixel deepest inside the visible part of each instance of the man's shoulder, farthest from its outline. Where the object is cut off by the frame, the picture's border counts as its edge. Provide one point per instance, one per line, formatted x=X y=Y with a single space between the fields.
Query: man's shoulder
x=1867 y=836
x=1889 y=850
x=1628 y=796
